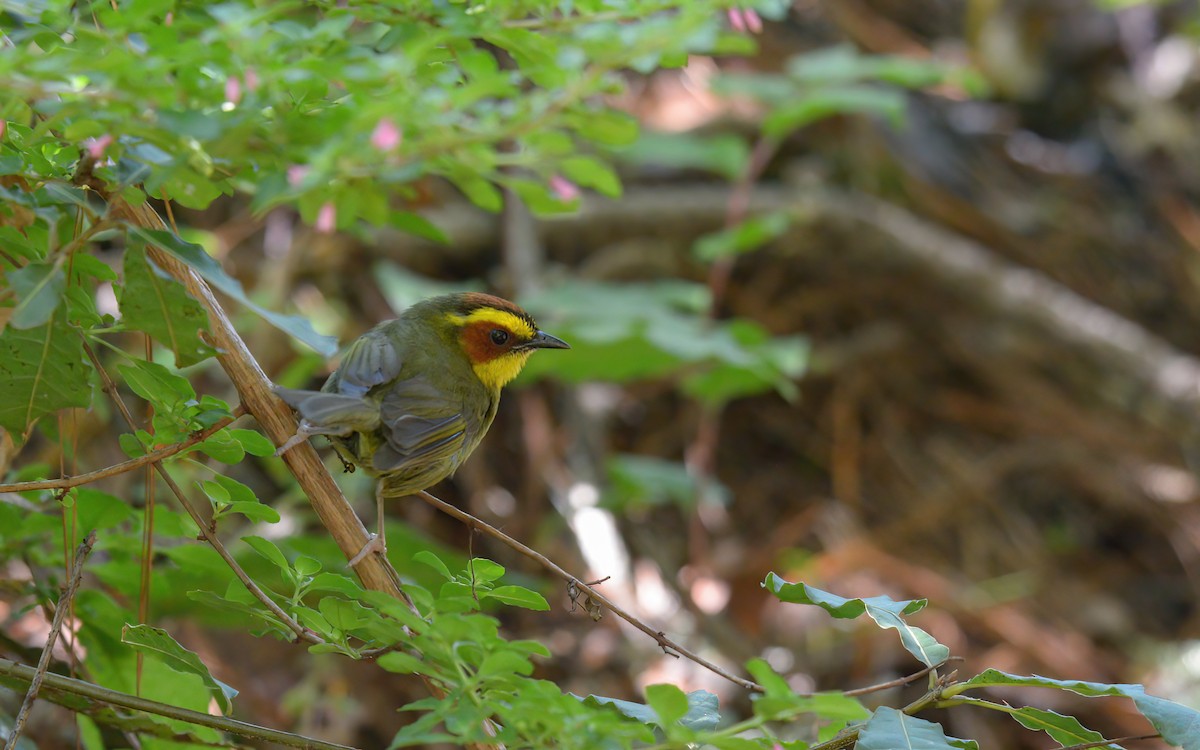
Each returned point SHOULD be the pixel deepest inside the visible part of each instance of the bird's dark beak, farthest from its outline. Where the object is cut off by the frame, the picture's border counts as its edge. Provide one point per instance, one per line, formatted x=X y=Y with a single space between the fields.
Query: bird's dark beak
x=543 y=340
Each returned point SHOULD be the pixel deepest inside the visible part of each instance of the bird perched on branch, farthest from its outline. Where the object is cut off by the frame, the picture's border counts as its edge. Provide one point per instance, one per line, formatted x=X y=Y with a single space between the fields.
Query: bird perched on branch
x=413 y=396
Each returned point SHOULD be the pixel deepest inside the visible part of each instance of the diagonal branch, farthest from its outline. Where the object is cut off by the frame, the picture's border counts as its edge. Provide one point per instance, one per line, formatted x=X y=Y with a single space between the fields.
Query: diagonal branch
x=663 y=641
x=64 y=483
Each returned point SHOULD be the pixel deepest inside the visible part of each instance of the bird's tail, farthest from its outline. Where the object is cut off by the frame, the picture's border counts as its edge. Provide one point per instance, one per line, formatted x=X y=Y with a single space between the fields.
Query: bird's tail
x=331 y=413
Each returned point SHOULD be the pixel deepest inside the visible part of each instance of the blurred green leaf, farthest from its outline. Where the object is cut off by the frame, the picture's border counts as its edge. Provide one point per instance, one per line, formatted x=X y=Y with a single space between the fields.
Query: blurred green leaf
x=39 y=288
x=154 y=303
x=42 y=370
x=725 y=155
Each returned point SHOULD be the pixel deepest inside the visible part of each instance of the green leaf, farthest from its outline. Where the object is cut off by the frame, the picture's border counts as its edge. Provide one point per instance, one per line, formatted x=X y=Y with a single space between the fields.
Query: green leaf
x=1178 y=724
x=669 y=703
x=1065 y=730
x=890 y=729
x=592 y=173
x=607 y=127
x=253 y=442
x=208 y=268
x=882 y=609
x=482 y=570
x=751 y=234
x=519 y=596
x=154 y=303
x=725 y=155
x=39 y=288
x=222 y=448
x=269 y=551
x=435 y=562
x=701 y=713
x=158 y=643
x=157 y=384
x=42 y=370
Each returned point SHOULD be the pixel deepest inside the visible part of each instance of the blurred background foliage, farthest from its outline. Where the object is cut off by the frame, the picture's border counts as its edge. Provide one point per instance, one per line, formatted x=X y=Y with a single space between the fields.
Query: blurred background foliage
x=886 y=296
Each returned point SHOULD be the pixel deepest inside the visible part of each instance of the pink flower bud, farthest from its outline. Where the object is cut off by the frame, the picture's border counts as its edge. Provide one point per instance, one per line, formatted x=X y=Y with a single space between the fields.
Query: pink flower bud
x=233 y=90
x=97 y=146
x=564 y=189
x=251 y=79
x=753 y=22
x=296 y=174
x=736 y=20
x=327 y=218
x=386 y=136
x=3 y=127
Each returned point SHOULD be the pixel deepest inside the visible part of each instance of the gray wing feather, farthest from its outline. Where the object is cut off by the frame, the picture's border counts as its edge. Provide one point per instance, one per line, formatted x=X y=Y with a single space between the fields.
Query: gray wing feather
x=370 y=361
x=431 y=438
x=331 y=413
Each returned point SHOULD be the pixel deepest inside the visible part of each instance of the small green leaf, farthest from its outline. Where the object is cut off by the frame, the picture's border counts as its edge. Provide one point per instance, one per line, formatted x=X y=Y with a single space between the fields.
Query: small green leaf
x=519 y=596
x=890 y=729
x=156 y=384
x=670 y=703
x=483 y=570
x=222 y=448
x=882 y=609
x=269 y=551
x=1065 y=730
x=751 y=234
x=254 y=443
x=39 y=288
x=159 y=643
x=255 y=511
x=592 y=173
x=435 y=562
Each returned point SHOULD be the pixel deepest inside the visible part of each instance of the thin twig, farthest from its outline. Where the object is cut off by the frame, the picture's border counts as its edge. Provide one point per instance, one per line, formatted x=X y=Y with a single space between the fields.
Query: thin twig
x=63 y=483
x=60 y=613
x=900 y=681
x=665 y=643
x=67 y=685
x=206 y=529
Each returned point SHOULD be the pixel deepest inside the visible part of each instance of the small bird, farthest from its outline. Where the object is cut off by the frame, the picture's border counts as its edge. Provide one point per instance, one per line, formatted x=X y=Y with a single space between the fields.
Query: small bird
x=414 y=396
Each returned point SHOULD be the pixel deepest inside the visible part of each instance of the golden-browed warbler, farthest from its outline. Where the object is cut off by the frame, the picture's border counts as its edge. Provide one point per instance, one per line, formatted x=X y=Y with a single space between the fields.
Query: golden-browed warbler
x=413 y=396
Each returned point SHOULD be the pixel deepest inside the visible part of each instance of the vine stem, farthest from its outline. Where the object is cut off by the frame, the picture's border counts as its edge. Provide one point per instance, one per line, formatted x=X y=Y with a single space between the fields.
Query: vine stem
x=70 y=686
x=663 y=641
x=65 y=483
x=60 y=613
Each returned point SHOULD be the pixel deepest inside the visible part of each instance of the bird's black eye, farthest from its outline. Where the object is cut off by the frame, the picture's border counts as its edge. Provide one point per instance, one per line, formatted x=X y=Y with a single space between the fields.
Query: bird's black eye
x=499 y=337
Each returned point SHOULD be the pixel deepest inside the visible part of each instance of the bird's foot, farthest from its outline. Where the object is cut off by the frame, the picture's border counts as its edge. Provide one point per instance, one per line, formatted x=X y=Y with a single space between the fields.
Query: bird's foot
x=375 y=545
x=300 y=436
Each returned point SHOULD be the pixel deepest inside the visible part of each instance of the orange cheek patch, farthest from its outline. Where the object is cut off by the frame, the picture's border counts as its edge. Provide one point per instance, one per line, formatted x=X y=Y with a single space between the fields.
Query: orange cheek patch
x=477 y=341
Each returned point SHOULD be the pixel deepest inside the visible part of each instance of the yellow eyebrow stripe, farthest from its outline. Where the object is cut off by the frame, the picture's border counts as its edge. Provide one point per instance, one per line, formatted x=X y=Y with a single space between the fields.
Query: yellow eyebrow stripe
x=514 y=323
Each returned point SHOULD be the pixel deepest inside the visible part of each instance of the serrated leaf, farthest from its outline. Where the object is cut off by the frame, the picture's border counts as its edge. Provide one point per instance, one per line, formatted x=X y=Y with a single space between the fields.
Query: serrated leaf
x=890 y=729
x=519 y=596
x=39 y=288
x=882 y=609
x=159 y=643
x=208 y=268
x=154 y=303
x=42 y=370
